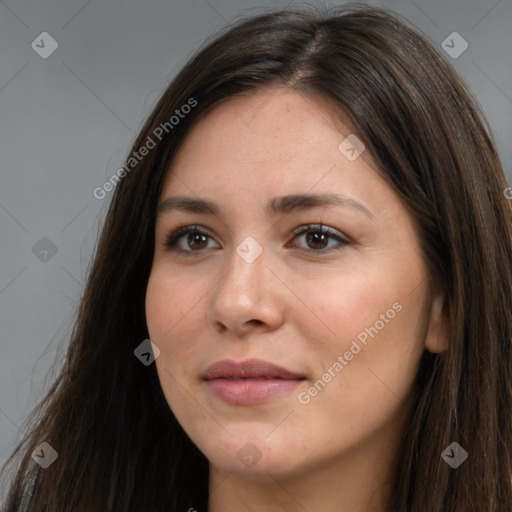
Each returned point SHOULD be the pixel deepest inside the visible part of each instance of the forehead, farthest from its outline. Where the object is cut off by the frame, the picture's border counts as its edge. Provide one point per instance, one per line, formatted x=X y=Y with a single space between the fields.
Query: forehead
x=270 y=135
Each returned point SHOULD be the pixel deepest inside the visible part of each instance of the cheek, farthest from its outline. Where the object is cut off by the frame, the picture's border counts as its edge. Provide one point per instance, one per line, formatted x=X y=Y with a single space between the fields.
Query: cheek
x=170 y=314
x=374 y=321
x=340 y=306
x=176 y=316
x=170 y=301
x=159 y=300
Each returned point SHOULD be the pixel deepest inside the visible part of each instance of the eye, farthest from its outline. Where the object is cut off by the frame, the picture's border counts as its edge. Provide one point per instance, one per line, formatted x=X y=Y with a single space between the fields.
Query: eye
x=317 y=238
x=196 y=239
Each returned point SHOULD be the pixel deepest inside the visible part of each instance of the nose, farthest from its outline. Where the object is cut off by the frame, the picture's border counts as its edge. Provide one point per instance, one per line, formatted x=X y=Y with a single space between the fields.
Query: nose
x=248 y=297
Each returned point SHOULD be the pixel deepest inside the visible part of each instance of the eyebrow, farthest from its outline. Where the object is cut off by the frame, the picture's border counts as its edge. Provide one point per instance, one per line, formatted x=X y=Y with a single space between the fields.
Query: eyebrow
x=276 y=206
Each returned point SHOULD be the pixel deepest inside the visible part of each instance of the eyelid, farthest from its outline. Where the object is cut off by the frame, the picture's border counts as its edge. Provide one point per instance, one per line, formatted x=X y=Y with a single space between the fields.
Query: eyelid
x=319 y=227
x=342 y=239
x=170 y=239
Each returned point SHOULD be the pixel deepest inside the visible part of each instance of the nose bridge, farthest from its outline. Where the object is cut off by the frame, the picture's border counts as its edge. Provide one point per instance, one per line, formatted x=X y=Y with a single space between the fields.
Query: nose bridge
x=245 y=293
x=247 y=267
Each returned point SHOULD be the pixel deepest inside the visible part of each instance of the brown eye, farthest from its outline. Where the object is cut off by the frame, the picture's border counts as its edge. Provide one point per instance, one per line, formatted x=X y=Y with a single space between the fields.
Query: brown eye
x=196 y=240
x=319 y=239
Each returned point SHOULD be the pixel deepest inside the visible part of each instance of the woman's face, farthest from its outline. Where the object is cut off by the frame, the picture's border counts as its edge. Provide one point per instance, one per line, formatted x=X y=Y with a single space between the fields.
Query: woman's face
x=342 y=308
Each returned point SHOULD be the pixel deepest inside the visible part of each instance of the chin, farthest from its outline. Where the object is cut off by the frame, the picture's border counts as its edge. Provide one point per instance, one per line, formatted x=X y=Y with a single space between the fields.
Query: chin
x=265 y=467
x=255 y=456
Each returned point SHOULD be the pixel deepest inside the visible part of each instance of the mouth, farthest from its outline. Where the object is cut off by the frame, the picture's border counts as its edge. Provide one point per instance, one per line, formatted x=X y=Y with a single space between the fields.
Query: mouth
x=249 y=382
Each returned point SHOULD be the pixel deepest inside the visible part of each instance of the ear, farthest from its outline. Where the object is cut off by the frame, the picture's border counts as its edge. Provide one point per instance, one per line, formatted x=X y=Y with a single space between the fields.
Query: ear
x=436 y=340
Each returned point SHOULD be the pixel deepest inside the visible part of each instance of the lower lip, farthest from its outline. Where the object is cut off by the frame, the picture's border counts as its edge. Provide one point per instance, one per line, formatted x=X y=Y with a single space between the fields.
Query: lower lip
x=251 y=391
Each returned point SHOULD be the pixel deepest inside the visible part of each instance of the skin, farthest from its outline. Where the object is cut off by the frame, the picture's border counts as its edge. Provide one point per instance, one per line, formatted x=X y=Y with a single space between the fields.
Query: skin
x=293 y=306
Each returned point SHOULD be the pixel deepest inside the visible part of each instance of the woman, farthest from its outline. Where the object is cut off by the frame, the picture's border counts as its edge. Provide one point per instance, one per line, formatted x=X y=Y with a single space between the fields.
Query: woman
x=311 y=229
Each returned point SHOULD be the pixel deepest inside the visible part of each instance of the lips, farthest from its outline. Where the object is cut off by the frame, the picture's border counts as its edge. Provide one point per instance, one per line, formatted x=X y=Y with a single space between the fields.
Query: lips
x=249 y=382
x=248 y=369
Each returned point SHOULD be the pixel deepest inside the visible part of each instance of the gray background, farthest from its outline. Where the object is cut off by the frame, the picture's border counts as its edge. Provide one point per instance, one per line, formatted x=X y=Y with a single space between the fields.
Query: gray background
x=68 y=121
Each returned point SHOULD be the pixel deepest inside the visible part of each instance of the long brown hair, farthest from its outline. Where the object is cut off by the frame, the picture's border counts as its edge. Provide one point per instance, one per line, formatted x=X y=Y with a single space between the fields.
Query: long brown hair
x=119 y=444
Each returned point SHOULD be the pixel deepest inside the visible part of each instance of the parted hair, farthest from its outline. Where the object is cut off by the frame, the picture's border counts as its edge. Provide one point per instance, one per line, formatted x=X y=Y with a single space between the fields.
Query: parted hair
x=120 y=446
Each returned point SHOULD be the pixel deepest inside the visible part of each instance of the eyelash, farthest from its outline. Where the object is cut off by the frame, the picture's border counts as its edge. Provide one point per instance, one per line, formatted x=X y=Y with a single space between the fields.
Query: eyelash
x=170 y=241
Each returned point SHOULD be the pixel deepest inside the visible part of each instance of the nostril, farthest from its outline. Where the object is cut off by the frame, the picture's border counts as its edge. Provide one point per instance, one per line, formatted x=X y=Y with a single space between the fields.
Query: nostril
x=217 y=326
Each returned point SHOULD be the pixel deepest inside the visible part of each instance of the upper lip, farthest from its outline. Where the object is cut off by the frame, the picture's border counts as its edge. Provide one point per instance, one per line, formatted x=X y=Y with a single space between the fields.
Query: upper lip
x=249 y=368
